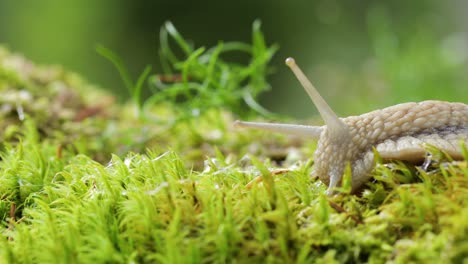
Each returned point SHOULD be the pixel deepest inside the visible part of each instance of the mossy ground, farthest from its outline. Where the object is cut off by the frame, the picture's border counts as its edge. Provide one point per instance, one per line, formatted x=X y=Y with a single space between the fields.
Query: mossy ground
x=181 y=193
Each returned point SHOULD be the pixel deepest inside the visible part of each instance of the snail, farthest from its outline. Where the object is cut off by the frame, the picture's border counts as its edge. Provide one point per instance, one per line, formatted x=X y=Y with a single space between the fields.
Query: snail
x=398 y=132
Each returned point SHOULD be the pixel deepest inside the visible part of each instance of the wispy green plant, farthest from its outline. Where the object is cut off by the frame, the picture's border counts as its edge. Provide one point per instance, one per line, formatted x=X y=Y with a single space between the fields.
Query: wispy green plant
x=134 y=88
x=199 y=79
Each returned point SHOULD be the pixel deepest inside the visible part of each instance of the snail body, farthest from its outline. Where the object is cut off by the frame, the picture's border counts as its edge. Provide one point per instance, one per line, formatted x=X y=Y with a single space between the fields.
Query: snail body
x=398 y=132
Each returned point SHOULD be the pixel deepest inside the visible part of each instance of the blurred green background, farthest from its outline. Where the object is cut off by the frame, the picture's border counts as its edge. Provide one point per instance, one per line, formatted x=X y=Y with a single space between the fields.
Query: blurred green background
x=361 y=55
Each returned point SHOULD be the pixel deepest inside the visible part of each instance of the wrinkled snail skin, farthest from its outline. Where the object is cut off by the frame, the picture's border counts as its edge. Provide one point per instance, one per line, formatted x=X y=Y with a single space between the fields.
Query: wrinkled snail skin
x=398 y=132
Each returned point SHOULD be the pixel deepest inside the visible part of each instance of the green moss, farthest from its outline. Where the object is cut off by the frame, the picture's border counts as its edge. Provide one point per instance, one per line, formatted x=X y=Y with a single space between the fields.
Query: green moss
x=149 y=207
